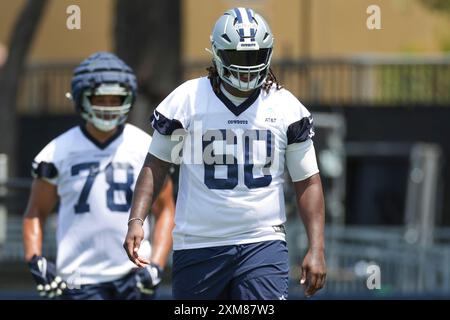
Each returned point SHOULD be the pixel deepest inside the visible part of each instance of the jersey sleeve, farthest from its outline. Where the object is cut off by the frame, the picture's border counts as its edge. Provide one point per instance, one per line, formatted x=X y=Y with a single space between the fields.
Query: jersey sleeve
x=165 y=149
x=172 y=113
x=301 y=160
x=300 y=153
x=44 y=164
x=299 y=121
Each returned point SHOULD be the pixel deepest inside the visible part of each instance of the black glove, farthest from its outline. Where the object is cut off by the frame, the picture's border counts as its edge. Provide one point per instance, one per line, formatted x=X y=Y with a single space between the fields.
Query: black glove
x=44 y=273
x=148 y=278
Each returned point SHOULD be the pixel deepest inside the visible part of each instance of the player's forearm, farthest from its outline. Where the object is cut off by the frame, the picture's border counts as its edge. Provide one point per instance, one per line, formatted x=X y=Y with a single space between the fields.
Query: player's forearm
x=312 y=210
x=142 y=195
x=148 y=185
x=32 y=237
x=162 y=237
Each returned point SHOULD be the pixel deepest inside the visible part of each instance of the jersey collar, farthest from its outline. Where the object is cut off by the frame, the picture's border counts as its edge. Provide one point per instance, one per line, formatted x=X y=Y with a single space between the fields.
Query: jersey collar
x=98 y=144
x=237 y=110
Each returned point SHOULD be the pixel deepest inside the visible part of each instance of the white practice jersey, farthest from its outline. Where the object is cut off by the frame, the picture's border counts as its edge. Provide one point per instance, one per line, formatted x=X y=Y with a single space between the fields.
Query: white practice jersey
x=94 y=184
x=233 y=160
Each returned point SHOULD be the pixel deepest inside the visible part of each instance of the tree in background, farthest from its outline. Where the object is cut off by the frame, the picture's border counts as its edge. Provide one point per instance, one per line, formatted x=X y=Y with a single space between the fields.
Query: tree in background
x=147 y=37
x=439 y=5
x=19 y=44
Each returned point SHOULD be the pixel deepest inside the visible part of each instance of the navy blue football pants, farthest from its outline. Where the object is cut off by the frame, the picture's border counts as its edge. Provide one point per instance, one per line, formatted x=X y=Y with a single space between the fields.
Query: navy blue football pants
x=120 y=289
x=254 y=271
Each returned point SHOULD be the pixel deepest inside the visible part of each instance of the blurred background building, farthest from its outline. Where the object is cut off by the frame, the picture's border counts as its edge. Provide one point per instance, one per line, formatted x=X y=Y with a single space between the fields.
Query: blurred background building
x=380 y=99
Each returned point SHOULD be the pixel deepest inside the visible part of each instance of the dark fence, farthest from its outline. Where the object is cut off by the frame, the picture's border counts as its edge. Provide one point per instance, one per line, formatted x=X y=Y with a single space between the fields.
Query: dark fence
x=43 y=87
x=361 y=81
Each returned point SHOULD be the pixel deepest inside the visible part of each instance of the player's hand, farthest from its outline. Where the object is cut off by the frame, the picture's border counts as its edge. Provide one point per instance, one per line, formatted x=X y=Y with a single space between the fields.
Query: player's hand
x=313 y=271
x=148 y=278
x=49 y=285
x=133 y=240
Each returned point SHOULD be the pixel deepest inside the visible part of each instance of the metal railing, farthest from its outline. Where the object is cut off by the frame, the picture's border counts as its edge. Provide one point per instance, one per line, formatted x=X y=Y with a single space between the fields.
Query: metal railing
x=363 y=81
x=405 y=268
x=43 y=87
x=366 y=80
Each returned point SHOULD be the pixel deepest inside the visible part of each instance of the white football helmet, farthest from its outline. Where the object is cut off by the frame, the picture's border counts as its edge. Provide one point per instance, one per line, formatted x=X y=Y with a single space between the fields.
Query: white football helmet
x=103 y=73
x=242 y=44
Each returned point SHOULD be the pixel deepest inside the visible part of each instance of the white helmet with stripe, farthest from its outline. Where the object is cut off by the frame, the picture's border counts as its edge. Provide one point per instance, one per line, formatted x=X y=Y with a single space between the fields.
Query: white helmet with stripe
x=242 y=45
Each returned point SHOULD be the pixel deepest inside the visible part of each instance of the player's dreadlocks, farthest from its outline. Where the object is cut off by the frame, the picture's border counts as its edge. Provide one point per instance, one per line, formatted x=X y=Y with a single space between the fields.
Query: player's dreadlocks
x=268 y=82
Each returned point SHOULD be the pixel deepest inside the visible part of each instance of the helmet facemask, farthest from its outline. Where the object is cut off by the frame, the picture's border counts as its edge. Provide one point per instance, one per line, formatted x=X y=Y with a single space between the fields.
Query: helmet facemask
x=243 y=69
x=106 y=118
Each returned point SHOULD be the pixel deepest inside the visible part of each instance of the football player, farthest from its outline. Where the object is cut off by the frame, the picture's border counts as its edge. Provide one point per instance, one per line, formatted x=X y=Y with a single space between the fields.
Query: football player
x=91 y=171
x=238 y=129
